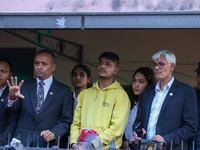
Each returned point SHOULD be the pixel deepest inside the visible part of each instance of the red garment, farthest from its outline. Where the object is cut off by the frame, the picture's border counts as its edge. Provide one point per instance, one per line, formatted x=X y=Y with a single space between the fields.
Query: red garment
x=88 y=135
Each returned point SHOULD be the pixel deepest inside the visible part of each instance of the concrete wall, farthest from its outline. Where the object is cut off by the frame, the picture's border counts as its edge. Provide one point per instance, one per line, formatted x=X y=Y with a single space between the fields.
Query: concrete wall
x=25 y=6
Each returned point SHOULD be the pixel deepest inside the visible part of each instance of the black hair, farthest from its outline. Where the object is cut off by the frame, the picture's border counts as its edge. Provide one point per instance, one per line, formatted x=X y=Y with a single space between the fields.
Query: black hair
x=110 y=55
x=151 y=81
x=86 y=69
x=3 y=59
x=49 y=52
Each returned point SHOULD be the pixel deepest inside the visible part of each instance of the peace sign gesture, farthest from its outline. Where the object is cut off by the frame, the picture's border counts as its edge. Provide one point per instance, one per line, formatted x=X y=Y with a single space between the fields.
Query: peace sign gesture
x=14 y=89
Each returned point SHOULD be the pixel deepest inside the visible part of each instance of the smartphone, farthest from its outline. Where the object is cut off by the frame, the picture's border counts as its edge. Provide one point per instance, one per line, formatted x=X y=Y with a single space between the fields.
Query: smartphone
x=138 y=131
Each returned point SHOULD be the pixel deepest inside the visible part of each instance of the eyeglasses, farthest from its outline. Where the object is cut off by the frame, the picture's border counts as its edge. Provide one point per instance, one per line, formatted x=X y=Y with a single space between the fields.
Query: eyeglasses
x=159 y=64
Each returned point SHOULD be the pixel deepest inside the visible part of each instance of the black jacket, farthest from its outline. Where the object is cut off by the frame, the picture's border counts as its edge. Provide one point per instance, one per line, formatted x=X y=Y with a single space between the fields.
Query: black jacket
x=8 y=120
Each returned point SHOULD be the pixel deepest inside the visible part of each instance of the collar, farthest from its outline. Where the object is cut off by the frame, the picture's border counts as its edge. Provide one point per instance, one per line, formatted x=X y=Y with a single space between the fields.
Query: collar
x=46 y=81
x=3 y=89
x=167 y=86
x=135 y=104
x=74 y=96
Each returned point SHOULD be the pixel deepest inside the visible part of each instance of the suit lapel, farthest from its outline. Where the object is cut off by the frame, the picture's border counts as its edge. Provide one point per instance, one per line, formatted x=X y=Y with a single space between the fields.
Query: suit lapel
x=33 y=91
x=169 y=96
x=50 y=94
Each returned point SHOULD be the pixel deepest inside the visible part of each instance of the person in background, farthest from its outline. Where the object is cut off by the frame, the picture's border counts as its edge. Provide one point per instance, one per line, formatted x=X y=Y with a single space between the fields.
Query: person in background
x=197 y=88
x=8 y=120
x=197 y=135
x=81 y=77
x=143 y=78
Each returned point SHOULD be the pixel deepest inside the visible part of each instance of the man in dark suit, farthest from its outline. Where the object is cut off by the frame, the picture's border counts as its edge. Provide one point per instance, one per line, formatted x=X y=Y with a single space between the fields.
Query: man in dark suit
x=45 y=104
x=196 y=138
x=168 y=111
x=8 y=120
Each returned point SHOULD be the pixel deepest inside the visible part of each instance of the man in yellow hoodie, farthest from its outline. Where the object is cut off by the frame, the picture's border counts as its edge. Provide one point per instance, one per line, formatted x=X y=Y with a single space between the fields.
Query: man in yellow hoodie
x=103 y=108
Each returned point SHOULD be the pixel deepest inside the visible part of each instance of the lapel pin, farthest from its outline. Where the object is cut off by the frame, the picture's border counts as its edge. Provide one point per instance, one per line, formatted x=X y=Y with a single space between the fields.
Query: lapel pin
x=51 y=93
x=2 y=100
x=170 y=94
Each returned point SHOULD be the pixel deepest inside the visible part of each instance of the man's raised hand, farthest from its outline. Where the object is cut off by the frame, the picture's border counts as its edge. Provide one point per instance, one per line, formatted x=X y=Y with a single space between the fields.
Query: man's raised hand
x=14 y=89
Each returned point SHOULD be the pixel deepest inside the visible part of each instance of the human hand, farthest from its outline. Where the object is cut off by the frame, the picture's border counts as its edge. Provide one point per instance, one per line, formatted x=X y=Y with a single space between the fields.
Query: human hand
x=158 y=137
x=81 y=146
x=74 y=146
x=124 y=145
x=47 y=135
x=14 y=89
x=85 y=145
x=136 y=138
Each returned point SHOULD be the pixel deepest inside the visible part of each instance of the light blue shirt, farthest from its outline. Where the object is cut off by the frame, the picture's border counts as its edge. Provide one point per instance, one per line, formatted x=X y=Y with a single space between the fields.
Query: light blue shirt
x=156 y=107
x=47 y=85
x=1 y=91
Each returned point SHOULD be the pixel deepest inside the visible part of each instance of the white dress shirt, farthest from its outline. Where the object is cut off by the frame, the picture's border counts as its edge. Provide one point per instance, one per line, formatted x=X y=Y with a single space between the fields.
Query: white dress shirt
x=156 y=107
x=75 y=100
x=47 y=85
x=1 y=91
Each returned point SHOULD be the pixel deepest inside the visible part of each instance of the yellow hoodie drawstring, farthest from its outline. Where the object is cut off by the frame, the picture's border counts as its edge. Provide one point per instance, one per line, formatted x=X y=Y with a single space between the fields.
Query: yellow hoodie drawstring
x=96 y=94
x=104 y=101
x=115 y=86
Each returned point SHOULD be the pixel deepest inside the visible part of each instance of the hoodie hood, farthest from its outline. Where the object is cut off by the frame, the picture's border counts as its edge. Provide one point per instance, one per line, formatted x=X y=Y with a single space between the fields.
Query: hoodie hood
x=113 y=86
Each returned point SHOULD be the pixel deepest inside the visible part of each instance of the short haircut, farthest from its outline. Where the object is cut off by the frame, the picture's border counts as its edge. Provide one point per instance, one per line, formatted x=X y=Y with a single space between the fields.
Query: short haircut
x=169 y=56
x=3 y=59
x=49 y=52
x=110 y=55
x=85 y=69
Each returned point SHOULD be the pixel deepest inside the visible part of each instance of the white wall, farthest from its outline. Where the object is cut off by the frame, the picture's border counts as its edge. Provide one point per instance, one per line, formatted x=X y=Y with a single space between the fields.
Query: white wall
x=25 y=6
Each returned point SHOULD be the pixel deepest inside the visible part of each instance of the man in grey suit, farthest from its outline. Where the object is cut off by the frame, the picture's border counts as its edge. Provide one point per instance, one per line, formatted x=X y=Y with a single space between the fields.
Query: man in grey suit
x=45 y=104
x=168 y=111
x=8 y=120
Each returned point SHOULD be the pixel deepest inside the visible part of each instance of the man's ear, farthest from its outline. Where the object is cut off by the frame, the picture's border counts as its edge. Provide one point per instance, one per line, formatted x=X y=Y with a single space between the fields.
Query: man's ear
x=53 y=67
x=172 y=67
x=116 y=70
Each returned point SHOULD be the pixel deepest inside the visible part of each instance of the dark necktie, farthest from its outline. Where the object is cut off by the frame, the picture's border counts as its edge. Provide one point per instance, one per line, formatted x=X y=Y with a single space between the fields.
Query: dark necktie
x=40 y=97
